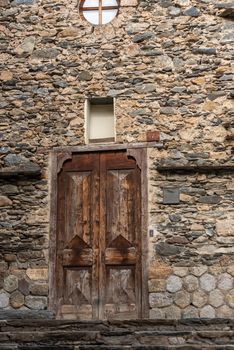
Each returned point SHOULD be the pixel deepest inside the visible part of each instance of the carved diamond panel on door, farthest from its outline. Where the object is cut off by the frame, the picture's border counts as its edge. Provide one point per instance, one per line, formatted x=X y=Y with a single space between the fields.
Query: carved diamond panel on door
x=121 y=294
x=78 y=234
x=78 y=208
x=77 y=297
x=120 y=220
x=99 y=256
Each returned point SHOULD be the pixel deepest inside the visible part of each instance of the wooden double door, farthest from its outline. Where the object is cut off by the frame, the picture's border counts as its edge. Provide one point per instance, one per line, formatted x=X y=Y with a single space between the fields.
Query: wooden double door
x=99 y=260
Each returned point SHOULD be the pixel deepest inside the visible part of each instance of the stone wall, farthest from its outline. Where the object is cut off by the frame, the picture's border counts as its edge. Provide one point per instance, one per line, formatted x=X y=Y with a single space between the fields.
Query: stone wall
x=169 y=65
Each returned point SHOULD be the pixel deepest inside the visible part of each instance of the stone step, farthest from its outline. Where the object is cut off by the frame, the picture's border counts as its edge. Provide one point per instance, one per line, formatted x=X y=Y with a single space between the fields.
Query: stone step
x=27 y=335
x=25 y=314
x=134 y=325
x=115 y=347
x=159 y=347
x=126 y=336
x=95 y=340
x=45 y=334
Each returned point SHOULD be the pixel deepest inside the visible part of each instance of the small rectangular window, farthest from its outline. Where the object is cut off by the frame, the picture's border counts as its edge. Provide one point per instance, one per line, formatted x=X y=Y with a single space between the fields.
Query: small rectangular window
x=100 y=123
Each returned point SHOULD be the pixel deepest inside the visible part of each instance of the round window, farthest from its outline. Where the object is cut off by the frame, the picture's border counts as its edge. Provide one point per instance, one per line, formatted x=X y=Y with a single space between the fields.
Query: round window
x=99 y=11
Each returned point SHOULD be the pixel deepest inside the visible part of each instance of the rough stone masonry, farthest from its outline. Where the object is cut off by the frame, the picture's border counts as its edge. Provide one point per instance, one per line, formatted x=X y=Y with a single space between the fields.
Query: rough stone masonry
x=169 y=65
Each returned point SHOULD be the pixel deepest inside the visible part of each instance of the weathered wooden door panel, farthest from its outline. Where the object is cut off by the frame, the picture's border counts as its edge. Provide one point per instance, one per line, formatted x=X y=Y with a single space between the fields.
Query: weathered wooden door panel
x=78 y=210
x=78 y=227
x=121 y=298
x=77 y=298
x=99 y=237
x=120 y=228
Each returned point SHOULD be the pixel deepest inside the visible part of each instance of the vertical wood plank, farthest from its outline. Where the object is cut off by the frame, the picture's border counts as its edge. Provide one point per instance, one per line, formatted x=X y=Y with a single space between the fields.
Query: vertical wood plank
x=95 y=227
x=100 y=11
x=61 y=229
x=53 y=230
x=86 y=234
x=102 y=235
x=141 y=157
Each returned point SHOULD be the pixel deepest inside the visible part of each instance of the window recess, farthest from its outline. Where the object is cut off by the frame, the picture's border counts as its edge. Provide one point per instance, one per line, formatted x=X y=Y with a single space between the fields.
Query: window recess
x=100 y=121
x=98 y=12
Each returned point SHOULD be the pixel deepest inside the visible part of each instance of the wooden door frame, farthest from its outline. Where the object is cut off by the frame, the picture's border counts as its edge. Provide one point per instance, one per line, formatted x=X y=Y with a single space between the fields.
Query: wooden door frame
x=57 y=157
